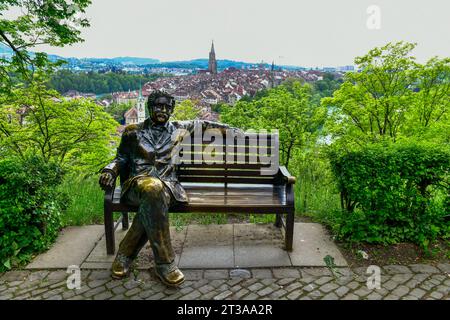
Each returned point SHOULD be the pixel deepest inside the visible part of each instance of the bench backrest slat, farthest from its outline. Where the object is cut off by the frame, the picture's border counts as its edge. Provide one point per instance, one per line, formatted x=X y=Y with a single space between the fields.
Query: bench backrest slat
x=229 y=161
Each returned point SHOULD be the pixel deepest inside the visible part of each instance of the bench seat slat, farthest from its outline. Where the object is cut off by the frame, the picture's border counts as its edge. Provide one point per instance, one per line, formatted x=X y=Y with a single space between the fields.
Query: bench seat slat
x=217 y=198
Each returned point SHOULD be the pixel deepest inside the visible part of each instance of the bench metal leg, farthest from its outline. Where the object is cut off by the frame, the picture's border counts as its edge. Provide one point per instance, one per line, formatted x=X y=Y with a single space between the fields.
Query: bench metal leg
x=109 y=231
x=289 y=230
x=278 y=222
x=125 y=221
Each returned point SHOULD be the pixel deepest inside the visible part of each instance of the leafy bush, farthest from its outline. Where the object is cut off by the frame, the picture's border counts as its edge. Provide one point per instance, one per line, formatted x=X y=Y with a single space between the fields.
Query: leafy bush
x=393 y=193
x=30 y=208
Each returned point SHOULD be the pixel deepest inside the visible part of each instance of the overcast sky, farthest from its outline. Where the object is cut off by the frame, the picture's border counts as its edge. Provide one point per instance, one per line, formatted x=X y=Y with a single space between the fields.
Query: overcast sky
x=291 y=32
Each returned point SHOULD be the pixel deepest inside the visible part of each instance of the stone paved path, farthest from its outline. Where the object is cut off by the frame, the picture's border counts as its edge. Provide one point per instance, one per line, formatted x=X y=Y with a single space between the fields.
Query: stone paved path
x=397 y=282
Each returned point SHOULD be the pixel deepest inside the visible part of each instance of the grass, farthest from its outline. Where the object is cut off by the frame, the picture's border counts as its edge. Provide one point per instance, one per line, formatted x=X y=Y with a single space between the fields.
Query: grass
x=317 y=201
x=86 y=206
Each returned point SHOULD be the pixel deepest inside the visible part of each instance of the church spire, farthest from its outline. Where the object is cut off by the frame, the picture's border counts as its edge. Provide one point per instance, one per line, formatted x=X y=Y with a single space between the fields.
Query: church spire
x=212 y=63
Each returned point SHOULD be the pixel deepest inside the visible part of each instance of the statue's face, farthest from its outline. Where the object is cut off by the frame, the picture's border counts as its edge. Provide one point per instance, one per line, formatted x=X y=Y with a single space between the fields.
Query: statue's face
x=161 y=110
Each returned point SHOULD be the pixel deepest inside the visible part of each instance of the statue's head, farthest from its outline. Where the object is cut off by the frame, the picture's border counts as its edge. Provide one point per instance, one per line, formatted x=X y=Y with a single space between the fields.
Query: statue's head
x=160 y=106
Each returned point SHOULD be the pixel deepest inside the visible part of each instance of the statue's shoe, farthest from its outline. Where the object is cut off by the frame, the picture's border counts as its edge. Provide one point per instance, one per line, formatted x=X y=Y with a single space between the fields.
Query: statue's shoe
x=169 y=274
x=121 y=266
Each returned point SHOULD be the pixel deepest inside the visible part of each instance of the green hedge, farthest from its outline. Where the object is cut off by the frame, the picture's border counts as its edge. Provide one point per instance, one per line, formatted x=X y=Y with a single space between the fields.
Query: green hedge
x=393 y=193
x=30 y=208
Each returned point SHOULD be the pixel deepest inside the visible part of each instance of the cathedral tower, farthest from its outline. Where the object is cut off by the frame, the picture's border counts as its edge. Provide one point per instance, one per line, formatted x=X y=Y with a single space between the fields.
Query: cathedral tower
x=140 y=107
x=212 y=64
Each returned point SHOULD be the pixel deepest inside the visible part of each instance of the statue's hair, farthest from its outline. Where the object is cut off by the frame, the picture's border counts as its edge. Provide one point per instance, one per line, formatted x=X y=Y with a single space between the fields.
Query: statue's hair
x=159 y=94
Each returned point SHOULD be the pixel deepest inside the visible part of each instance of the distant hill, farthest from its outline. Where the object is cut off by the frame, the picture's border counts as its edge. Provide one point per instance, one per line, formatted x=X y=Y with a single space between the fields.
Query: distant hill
x=95 y=63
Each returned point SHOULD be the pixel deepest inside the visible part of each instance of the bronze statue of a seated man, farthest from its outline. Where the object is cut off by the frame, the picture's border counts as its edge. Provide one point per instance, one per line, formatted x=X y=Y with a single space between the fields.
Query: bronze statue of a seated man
x=149 y=181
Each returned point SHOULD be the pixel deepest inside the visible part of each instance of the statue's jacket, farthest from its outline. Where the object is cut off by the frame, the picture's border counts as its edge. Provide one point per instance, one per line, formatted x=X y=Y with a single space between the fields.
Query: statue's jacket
x=147 y=149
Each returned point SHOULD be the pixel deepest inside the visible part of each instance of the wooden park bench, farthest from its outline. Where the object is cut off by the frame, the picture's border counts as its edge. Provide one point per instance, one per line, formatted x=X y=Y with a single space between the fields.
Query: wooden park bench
x=226 y=186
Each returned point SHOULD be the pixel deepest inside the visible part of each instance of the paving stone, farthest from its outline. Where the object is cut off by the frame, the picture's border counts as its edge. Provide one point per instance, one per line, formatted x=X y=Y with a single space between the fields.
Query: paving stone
x=255 y=287
x=390 y=285
x=15 y=276
x=113 y=283
x=436 y=295
x=317 y=272
x=118 y=297
x=330 y=296
x=193 y=274
x=223 y=295
x=353 y=285
x=341 y=291
x=267 y=282
x=240 y=294
x=374 y=296
x=146 y=293
x=186 y=290
x=6 y=296
x=205 y=289
x=264 y=292
x=444 y=289
x=423 y=268
x=59 y=284
x=391 y=297
x=131 y=284
x=402 y=278
x=157 y=296
x=362 y=292
x=262 y=273
x=38 y=275
x=323 y=280
x=277 y=294
x=421 y=276
x=132 y=292
x=251 y=296
x=394 y=269
x=103 y=296
x=199 y=283
x=293 y=295
x=191 y=296
x=94 y=291
x=409 y=297
x=234 y=281
x=351 y=296
x=412 y=283
x=286 y=273
x=309 y=287
x=68 y=294
x=439 y=277
x=316 y=294
x=444 y=267
x=328 y=287
x=53 y=292
x=57 y=275
x=218 y=282
x=216 y=274
x=100 y=275
x=96 y=283
x=418 y=293
x=286 y=281
x=293 y=286
x=37 y=292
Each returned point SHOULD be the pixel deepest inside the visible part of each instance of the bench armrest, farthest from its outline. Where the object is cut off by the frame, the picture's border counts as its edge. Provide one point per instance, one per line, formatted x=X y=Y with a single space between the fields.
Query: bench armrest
x=109 y=191
x=286 y=176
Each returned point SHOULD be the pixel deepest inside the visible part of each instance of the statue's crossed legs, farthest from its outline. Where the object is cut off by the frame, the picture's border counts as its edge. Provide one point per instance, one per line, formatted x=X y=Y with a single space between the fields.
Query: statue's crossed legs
x=151 y=223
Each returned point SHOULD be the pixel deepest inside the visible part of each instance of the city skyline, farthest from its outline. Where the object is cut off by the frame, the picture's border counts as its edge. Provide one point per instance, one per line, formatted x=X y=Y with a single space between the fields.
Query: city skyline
x=299 y=33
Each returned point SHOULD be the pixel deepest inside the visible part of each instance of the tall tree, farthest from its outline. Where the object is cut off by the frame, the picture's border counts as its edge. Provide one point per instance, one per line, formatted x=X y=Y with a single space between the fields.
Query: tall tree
x=391 y=96
x=53 y=22
x=289 y=109
x=75 y=133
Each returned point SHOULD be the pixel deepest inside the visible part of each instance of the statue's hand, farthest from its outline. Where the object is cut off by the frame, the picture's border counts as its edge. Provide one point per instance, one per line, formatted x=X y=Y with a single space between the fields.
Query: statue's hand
x=106 y=180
